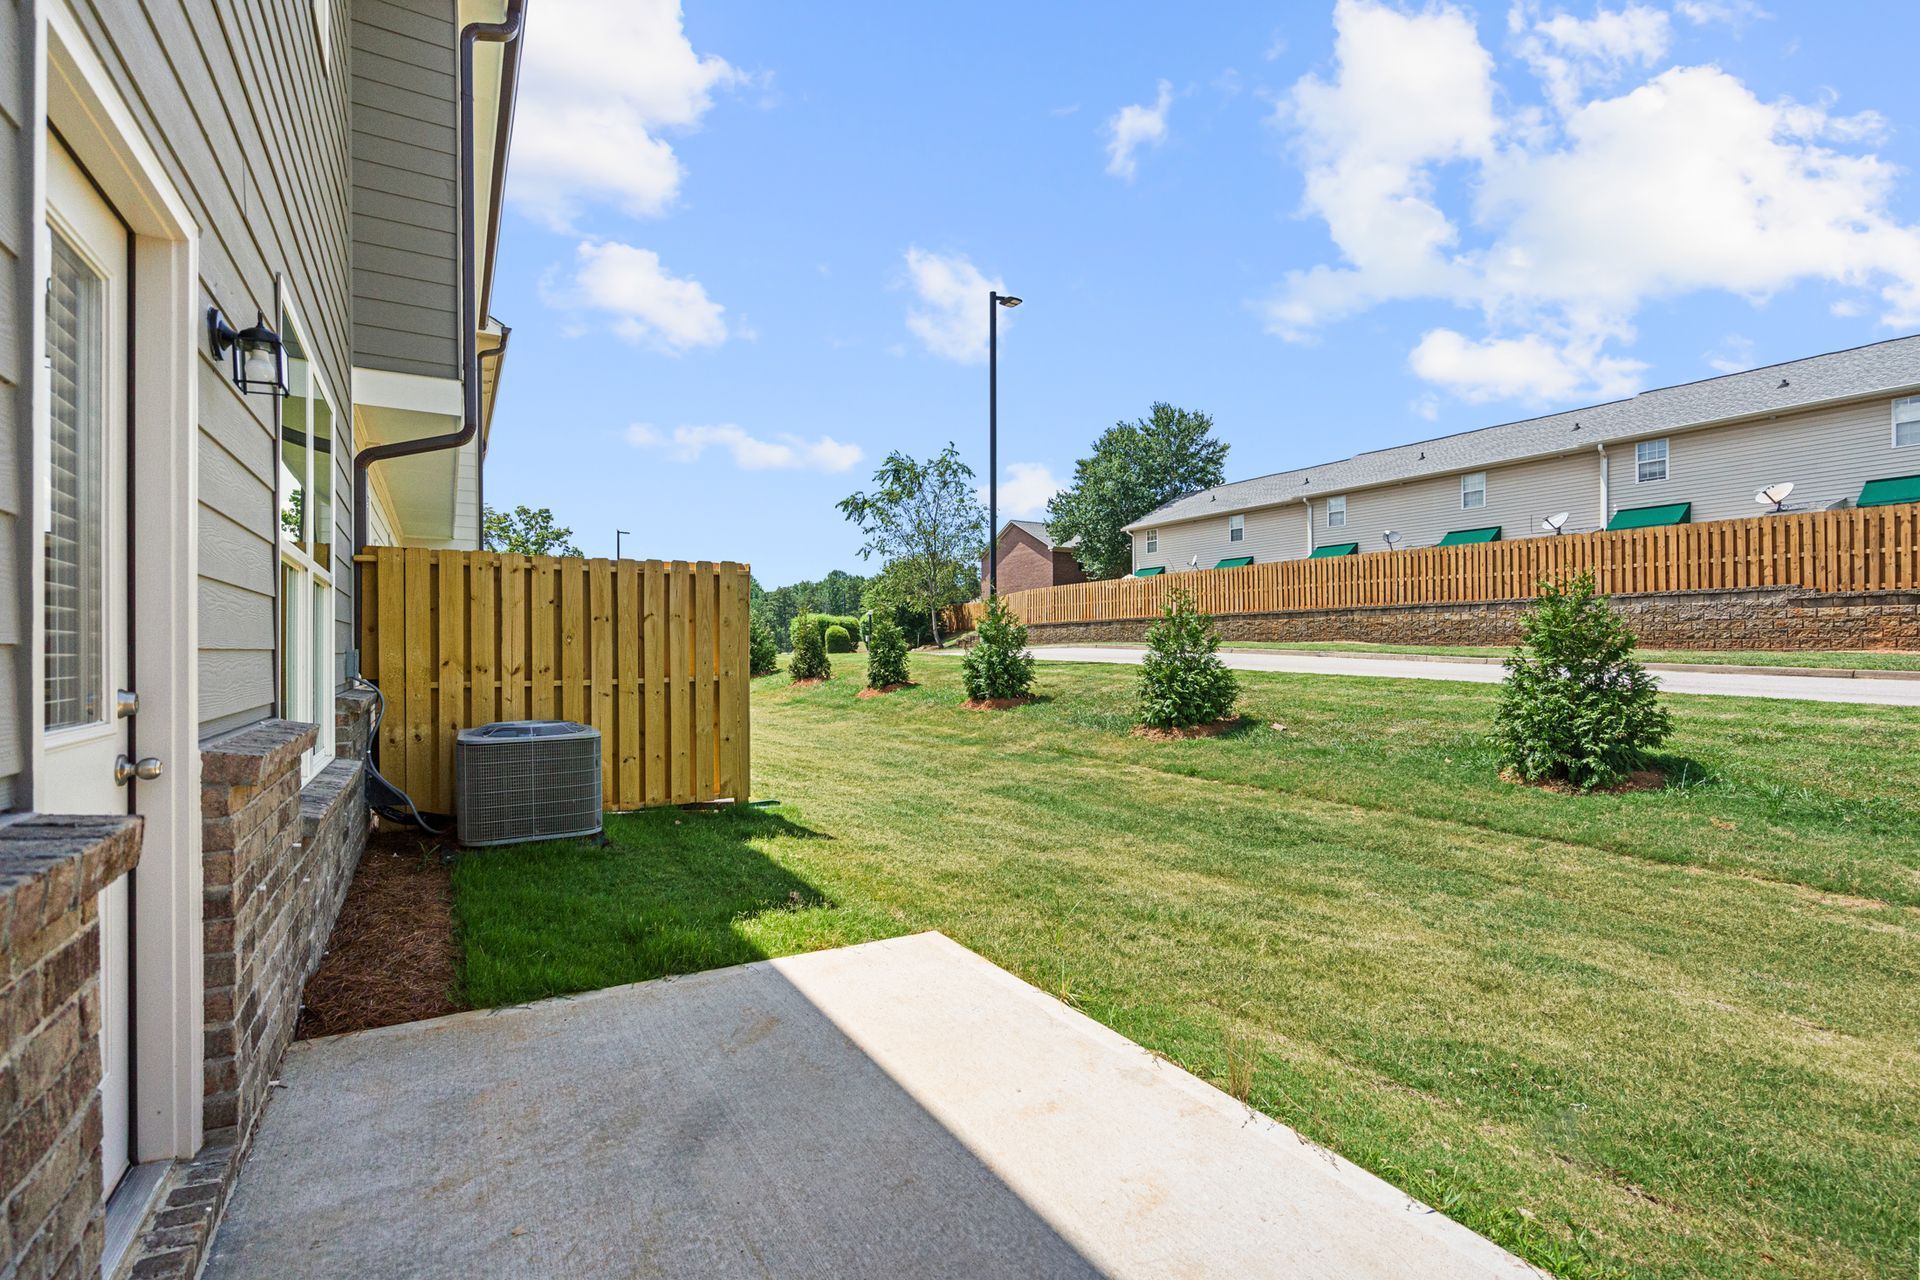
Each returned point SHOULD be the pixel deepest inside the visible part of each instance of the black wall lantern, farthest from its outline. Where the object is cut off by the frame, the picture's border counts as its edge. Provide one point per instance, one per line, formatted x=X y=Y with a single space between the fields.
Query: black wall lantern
x=259 y=355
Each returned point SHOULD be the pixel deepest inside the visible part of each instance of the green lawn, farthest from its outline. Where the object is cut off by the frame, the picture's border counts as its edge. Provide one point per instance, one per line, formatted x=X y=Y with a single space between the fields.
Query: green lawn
x=1667 y=1034
x=1857 y=659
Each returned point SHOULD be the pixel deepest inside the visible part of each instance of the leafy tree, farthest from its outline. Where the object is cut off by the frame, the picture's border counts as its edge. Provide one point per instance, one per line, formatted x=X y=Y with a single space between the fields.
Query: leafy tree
x=1135 y=468
x=889 y=594
x=1576 y=706
x=1182 y=680
x=998 y=665
x=923 y=518
x=526 y=532
x=886 y=655
x=809 y=660
x=839 y=594
x=763 y=652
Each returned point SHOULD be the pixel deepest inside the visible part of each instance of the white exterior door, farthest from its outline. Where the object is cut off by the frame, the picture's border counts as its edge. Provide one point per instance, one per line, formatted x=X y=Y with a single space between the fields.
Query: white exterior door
x=82 y=511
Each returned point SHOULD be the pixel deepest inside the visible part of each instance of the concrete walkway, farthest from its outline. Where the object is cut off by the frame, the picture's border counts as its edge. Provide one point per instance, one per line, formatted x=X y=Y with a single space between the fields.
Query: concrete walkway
x=1742 y=684
x=902 y=1108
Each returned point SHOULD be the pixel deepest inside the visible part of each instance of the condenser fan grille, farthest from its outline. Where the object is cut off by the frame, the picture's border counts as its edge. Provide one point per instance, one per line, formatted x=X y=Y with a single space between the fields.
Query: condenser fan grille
x=527 y=780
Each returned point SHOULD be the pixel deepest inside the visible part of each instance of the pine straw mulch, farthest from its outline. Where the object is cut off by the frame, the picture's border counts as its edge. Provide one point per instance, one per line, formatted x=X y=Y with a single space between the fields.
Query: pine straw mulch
x=1638 y=780
x=811 y=681
x=998 y=704
x=885 y=689
x=392 y=956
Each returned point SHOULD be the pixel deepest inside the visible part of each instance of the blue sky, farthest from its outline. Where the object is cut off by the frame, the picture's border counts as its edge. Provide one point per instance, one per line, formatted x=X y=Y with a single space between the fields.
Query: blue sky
x=748 y=244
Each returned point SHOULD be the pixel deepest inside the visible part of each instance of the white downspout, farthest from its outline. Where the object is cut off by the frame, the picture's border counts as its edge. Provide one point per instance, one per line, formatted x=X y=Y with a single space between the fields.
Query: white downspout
x=1308 y=504
x=1606 y=504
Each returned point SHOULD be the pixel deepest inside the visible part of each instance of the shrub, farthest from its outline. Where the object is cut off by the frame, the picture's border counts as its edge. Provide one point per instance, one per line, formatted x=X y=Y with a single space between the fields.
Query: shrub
x=1182 y=680
x=1575 y=705
x=998 y=665
x=809 y=660
x=838 y=639
x=822 y=621
x=763 y=653
x=886 y=654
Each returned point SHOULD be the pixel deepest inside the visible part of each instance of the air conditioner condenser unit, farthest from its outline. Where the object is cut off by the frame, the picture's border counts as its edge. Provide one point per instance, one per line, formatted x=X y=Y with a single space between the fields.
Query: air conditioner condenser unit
x=526 y=780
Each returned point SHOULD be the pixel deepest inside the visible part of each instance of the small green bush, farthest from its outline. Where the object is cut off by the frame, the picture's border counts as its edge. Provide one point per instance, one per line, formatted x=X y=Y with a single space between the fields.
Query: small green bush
x=1182 y=680
x=821 y=621
x=998 y=665
x=763 y=653
x=886 y=654
x=838 y=639
x=809 y=661
x=1576 y=706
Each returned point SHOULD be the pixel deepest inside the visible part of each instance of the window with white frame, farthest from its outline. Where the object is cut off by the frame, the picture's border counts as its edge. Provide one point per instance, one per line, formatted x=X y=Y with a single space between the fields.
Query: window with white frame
x=1236 y=528
x=1906 y=421
x=1649 y=461
x=1473 y=490
x=1337 y=512
x=1153 y=541
x=307 y=420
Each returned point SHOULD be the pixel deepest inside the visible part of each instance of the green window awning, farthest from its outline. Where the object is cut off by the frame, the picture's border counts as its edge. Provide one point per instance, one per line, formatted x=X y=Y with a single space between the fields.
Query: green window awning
x=1650 y=517
x=1149 y=571
x=1336 y=549
x=1461 y=537
x=1234 y=562
x=1886 y=493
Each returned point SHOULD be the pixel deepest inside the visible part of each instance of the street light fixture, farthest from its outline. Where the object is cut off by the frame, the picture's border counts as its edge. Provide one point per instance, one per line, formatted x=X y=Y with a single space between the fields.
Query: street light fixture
x=995 y=300
x=617 y=535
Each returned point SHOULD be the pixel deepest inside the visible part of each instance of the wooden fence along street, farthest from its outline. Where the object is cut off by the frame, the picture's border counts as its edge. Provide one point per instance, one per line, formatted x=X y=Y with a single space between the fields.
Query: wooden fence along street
x=1861 y=549
x=652 y=654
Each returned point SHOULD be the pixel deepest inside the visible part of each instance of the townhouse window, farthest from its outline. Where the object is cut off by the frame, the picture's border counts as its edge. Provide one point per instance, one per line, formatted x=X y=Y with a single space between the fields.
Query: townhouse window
x=1153 y=541
x=307 y=421
x=1337 y=512
x=1650 y=461
x=1906 y=421
x=1236 y=528
x=1473 y=490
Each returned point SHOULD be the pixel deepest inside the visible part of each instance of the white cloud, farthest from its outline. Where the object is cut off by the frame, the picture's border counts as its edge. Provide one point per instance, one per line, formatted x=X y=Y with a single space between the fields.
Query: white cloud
x=1683 y=183
x=1135 y=126
x=950 y=317
x=750 y=453
x=1024 y=490
x=650 y=307
x=1734 y=353
x=600 y=85
x=1733 y=12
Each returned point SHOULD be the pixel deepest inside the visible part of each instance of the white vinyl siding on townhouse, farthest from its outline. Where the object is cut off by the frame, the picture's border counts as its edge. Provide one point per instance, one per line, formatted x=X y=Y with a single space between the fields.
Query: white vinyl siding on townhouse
x=1272 y=533
x=1828 y=453
x=17 y=550
x=1519 y=498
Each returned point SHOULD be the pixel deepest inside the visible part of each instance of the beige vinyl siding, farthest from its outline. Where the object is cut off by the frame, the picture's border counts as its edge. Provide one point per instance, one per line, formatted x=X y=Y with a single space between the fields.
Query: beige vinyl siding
x=1272 y=533
x=1519 y=497
x=16 y=402
x=1828 y=453
x=253 y=128
x=406 y=279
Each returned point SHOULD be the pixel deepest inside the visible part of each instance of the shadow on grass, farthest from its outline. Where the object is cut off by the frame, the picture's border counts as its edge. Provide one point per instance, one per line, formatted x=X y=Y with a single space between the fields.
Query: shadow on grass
x=669 y=892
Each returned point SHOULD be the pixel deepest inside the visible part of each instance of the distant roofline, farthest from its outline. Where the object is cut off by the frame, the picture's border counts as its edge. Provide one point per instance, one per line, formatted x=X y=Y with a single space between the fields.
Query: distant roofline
x=1148 y=522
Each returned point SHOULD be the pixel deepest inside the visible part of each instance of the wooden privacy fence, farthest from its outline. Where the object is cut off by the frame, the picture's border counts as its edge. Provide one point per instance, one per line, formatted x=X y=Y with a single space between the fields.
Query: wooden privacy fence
x=653 y=654
x=1861 y=549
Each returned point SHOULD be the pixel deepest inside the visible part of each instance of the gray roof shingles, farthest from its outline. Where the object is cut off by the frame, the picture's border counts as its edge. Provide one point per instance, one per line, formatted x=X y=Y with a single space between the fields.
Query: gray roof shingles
x=1880 y=368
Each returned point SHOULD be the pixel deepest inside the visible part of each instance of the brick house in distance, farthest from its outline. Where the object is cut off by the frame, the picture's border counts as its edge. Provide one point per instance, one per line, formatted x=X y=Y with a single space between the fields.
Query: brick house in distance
x=1030 y=558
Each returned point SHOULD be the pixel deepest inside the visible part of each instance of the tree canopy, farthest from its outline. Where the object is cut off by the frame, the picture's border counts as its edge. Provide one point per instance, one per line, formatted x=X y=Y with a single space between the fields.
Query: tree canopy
x=1135 y=467
x=526 y=531
x=924 y=522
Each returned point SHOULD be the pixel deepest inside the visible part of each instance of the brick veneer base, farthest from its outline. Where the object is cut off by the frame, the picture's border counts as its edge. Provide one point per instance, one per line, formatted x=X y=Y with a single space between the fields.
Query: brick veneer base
x=278 y=858
x=1774 y=618
x=51 y=871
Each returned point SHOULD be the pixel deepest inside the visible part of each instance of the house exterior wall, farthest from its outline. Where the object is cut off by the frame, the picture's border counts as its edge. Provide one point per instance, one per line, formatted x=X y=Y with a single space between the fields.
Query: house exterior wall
x=1027 y=562
x=1272 y=533
x=1828 y=452
x=406 y=240
x=16 y=398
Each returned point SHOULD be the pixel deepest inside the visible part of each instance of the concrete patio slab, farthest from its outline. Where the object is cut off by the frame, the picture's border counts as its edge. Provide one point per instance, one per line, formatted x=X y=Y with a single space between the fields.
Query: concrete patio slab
x=902 y=1108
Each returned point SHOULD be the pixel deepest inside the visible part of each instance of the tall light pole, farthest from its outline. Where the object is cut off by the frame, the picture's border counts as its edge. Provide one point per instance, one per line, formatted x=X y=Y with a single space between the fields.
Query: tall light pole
x=617 y=535
x=995 y=301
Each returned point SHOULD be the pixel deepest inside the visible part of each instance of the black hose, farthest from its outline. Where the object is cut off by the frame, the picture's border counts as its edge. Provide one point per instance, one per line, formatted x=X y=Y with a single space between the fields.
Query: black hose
x=380 y=805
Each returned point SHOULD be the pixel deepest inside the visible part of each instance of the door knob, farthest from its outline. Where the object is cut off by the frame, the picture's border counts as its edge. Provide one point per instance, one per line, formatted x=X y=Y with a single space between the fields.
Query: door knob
x=126 y=770
x=126 y=703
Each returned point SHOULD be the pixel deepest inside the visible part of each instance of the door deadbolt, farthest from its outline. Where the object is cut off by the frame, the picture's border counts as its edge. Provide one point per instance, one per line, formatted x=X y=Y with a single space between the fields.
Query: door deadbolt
x=125 y=770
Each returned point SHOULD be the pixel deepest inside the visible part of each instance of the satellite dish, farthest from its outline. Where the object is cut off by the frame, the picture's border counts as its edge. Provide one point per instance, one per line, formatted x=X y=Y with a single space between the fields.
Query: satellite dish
x=1557 y=523
x=1776 y=494
x=1392 y=536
